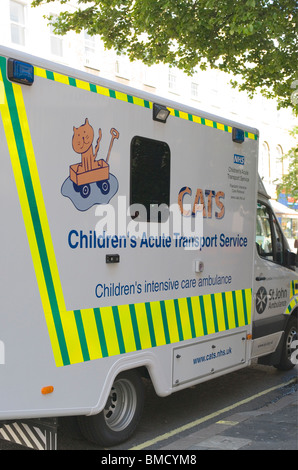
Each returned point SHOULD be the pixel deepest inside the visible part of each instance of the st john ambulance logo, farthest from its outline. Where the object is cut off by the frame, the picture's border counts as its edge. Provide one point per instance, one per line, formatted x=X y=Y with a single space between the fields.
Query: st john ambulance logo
x=261 y=300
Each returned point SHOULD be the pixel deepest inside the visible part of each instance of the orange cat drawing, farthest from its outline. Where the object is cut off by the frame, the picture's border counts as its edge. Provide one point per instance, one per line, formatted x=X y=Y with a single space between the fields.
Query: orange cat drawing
x=82 y=142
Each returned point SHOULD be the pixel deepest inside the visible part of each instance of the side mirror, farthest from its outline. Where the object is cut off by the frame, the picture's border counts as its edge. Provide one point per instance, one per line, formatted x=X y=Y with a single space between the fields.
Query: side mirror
x=291 y=259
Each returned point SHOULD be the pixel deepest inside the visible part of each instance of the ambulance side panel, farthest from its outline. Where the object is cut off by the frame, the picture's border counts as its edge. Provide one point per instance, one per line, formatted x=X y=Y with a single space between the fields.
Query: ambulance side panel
x=90 y=291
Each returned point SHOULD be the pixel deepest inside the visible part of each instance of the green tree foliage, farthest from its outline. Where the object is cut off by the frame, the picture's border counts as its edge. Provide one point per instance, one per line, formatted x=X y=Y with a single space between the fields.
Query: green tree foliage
x=255 y=40
x=289 y=182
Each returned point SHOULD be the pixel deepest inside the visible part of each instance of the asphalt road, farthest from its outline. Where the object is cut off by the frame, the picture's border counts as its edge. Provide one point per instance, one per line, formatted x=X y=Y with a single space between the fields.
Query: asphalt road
x=164 y=418
x=168 y=419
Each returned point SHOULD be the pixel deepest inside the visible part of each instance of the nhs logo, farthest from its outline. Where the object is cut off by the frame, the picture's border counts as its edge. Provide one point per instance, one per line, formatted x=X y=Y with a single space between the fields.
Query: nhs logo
x=239 y=159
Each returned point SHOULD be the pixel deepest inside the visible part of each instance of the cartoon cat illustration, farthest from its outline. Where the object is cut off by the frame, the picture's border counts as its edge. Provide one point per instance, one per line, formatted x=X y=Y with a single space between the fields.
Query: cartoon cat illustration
x=90 y=181
x=82 y=142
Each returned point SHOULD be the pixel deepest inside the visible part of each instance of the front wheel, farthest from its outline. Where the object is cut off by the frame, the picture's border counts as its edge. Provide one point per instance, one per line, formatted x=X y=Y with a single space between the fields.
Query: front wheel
x=122 y=412
x=288 y=357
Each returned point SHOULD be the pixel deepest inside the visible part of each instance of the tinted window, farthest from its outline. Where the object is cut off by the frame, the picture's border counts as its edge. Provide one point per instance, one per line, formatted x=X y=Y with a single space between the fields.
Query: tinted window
x=149 y=177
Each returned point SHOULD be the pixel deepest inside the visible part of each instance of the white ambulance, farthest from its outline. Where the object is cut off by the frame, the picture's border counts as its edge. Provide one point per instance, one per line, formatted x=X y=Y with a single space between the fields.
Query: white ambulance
x=136 y=242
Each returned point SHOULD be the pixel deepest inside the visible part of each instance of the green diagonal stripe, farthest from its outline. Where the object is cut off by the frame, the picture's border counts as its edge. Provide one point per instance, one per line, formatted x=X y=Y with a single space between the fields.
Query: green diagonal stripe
x=118 y=330
x=214 y=313
x=165 y=322
x=81 y=333
x=178 y=319
x=191 y=319
x=135 y=326
x=224 y=303
x=150 y=324
x=203 y=315
x=235 y=308
x=100 y=332
x=244 y=307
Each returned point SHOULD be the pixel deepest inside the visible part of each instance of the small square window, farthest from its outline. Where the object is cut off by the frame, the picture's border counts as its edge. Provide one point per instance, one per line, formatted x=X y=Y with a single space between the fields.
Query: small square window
x=194 y=90
x=17 y=23
x=56 y=41
x=149 y=179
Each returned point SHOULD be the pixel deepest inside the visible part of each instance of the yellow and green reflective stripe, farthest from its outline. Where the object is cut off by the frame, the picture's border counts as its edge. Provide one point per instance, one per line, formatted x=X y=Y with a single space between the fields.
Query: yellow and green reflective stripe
x=22 y=158
x=293 y=296
x=292 y=304
x=294 y=288
x=129 y=328
x=83 y=85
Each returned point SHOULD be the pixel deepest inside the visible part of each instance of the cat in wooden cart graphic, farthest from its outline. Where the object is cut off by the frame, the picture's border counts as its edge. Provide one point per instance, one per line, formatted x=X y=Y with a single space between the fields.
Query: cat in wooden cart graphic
x=90 y=170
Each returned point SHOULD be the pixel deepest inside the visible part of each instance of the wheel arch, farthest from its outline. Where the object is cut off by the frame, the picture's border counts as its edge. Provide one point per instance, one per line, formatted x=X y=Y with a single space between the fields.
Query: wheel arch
x=146 y=365
x=274 y=358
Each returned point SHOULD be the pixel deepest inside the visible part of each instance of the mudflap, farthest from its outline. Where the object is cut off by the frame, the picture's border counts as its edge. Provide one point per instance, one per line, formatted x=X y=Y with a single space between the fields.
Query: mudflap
x=37 y=434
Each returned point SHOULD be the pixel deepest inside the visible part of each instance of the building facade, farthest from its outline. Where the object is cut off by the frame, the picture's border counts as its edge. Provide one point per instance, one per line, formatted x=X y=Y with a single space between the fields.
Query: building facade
x=26 y=29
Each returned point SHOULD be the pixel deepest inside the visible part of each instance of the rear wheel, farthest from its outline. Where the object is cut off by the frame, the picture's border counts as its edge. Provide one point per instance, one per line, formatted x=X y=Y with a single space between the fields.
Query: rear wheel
x=288 y=357
x=76 y=187
x=122 y=412
x=104 y=186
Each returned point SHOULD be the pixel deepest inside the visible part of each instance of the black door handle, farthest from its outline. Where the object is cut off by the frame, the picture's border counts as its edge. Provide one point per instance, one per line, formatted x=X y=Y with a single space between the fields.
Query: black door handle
x=259 y=278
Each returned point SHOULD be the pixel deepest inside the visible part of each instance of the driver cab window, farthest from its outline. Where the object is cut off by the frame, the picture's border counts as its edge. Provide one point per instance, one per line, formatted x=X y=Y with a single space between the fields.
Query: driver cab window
x=269 y=238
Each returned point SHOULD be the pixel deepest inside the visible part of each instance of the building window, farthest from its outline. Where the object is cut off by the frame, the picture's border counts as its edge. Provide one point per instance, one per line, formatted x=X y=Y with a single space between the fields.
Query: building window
x=194 y=90
x=56 y=42
x=17 y=23
x=89 y=44
x=264 y=162
x=279 y=167
x=150 y=75
x=149 y=179
x=122 y=67
x=173 y=81
x=91 y=55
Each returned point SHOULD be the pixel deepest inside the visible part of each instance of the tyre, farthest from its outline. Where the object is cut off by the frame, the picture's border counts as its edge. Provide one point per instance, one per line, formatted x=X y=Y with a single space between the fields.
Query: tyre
x=76 y=187
x=122 y=412
x=104 y=186
x=289 y=345
x=85 y=190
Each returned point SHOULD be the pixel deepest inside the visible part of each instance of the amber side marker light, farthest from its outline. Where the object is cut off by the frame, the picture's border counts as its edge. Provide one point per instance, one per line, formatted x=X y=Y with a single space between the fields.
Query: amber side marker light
x=47 y=390
x=249 y=337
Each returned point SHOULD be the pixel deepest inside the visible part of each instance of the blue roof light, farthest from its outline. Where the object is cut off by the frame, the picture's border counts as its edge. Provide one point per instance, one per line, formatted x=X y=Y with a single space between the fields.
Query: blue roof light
x=20 y=72
x=238 y=135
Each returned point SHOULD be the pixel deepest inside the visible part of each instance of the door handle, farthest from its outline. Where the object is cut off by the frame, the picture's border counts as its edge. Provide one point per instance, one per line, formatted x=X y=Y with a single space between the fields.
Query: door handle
x=260 y=278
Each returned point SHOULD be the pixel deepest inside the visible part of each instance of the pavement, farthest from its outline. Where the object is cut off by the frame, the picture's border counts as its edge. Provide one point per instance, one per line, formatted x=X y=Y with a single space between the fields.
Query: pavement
x=271 y=427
